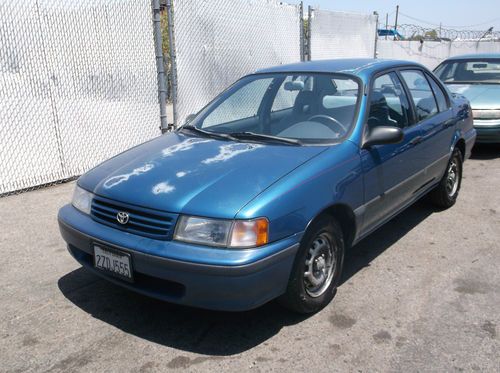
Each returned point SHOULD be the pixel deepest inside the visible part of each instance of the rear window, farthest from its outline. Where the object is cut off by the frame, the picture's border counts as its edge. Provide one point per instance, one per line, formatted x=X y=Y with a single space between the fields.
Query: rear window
x=470 y=71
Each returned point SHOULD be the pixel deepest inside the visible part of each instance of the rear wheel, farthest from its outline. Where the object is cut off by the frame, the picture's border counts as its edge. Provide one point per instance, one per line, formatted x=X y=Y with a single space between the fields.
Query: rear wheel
x=317 y=268
x=446 y=193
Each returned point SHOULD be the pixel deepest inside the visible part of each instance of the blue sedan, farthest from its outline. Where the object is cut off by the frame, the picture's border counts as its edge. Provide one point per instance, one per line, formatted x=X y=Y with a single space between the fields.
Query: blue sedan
x=477 y=77
x=260 y=194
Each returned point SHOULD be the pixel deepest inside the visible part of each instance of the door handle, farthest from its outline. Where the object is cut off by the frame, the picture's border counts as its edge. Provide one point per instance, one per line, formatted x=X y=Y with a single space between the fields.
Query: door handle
x=416 y=140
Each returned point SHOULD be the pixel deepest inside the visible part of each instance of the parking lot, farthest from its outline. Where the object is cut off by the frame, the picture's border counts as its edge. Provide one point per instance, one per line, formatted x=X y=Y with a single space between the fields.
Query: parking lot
x=420 y=294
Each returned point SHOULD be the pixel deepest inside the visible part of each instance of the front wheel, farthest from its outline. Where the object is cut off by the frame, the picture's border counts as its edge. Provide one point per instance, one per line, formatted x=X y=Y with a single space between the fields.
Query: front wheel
x=317 y=268
x=446 y=193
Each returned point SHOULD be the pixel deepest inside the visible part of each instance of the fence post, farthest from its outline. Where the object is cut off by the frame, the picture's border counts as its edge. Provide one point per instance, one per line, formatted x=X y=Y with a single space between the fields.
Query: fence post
x=173 y=61
x=309 y=21
x=160 y=65
x=376 y=35
x=301 y=30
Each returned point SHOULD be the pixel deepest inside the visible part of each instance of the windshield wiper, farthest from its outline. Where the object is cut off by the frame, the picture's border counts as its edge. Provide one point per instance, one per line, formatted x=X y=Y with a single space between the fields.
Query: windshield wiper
x=235 y=136
x=260 y=136
x=216 y=135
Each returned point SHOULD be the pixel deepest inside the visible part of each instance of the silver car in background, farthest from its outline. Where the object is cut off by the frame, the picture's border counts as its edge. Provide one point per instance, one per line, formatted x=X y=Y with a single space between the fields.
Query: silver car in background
x=477 y=77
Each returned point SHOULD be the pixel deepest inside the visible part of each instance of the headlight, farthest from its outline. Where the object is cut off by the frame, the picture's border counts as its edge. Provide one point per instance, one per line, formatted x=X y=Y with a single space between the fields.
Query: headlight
x=82 y=199
x=222 y=233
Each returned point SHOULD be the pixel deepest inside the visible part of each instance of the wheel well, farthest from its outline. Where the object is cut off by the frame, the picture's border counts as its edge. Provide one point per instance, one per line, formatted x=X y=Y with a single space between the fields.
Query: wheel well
x=344 y=215
x=460 y=145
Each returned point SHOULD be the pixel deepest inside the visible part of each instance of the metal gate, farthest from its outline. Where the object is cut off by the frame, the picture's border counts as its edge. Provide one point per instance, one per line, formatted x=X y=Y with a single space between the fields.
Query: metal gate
x=77 y=85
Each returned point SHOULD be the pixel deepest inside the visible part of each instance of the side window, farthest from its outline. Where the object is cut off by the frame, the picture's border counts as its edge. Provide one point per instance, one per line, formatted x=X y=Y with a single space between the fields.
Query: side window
x=243 y=104
x=421 y=92
x=389 y=105
x=439 y=94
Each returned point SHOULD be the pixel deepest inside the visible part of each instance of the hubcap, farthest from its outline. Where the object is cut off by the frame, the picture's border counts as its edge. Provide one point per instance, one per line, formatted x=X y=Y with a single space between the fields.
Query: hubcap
x=452 y=178
x=319 y=266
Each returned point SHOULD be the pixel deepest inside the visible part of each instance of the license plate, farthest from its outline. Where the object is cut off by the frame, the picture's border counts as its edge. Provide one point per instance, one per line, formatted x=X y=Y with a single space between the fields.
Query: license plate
x=113 y=261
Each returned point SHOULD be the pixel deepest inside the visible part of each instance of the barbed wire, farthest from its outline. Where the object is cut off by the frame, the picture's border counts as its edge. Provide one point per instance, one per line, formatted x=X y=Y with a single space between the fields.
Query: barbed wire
x=461 y=27
x=417 y=32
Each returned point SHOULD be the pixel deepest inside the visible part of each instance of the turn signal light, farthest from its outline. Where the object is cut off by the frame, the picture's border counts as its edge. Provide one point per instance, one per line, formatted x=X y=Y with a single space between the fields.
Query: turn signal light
x=250 y=233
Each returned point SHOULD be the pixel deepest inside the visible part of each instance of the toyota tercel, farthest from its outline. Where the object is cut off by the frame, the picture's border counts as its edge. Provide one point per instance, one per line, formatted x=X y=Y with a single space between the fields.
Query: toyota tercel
x=259 y=195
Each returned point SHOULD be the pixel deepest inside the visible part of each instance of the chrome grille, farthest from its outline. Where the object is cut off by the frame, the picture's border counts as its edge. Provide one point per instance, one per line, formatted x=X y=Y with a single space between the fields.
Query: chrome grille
x=142 y=221
x=486 y=114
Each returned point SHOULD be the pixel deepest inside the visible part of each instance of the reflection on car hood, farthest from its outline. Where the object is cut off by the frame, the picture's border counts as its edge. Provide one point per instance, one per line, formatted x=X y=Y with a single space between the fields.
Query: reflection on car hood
x=481 y=96
x=194 y=175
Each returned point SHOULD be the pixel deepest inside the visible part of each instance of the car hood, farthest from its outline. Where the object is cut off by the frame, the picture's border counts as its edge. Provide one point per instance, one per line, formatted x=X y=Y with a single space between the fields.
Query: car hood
x=193 y=175
x=481 y=96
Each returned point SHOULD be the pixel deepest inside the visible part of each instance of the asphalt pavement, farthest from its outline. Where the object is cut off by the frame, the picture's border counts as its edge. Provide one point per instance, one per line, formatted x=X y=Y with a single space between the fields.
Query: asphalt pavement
x=420 y=294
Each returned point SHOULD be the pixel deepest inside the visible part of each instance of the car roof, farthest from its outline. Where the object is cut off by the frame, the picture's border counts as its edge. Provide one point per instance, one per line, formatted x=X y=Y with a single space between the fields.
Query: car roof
x=474 y=56
x=356 y=66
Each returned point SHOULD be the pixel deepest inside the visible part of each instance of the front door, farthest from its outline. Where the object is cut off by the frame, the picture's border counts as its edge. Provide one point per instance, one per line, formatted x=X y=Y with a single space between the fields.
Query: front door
x=391 y=172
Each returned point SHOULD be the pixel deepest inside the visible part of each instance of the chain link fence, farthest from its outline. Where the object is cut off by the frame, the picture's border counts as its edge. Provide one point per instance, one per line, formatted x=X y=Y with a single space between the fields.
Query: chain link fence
x=342 y=34
x=80 y=80
x=78 y=85
x=218 y=41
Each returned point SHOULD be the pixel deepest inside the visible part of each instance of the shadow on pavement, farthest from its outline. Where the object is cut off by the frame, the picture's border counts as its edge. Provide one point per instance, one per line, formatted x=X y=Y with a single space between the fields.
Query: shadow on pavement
x=210 y=332
x=184 y=328
x=361 y=255
x=486 y=151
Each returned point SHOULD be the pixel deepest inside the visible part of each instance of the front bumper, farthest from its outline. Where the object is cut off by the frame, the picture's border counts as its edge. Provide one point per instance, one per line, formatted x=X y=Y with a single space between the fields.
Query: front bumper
x=488 y=131
x=219 y=279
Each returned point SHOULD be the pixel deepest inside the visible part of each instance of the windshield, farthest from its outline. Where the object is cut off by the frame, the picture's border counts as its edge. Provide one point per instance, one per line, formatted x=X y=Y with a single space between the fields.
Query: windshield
x=470 y=71
x=306 y=108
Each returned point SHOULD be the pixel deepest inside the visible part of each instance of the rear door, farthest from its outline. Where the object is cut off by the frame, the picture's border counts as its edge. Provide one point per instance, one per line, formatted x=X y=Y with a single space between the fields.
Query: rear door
x=446 y=121
x=435 y=120
x=391 y=172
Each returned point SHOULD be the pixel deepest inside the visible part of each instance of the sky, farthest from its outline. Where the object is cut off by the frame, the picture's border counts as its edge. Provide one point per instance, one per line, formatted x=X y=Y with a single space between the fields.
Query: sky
x=455 y=14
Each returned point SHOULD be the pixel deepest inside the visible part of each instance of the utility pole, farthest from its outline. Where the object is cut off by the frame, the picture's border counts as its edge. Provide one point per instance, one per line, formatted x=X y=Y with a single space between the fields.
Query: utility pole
x=396 y=21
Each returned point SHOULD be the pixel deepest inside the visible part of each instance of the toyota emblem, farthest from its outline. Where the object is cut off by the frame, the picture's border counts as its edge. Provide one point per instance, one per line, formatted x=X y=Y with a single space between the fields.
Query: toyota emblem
x=122 y=217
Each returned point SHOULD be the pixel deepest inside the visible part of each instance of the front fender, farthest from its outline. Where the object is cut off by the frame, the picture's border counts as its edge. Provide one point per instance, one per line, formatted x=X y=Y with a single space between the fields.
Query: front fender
x=333 y=177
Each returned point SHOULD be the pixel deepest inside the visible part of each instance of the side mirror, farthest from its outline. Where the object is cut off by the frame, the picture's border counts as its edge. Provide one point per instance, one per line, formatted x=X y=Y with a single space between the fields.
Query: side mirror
x=383 y=135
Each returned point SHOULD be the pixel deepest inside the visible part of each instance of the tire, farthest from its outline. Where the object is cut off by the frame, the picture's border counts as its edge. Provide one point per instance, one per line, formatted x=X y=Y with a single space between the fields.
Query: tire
x=446 y=193
x=322 y=237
